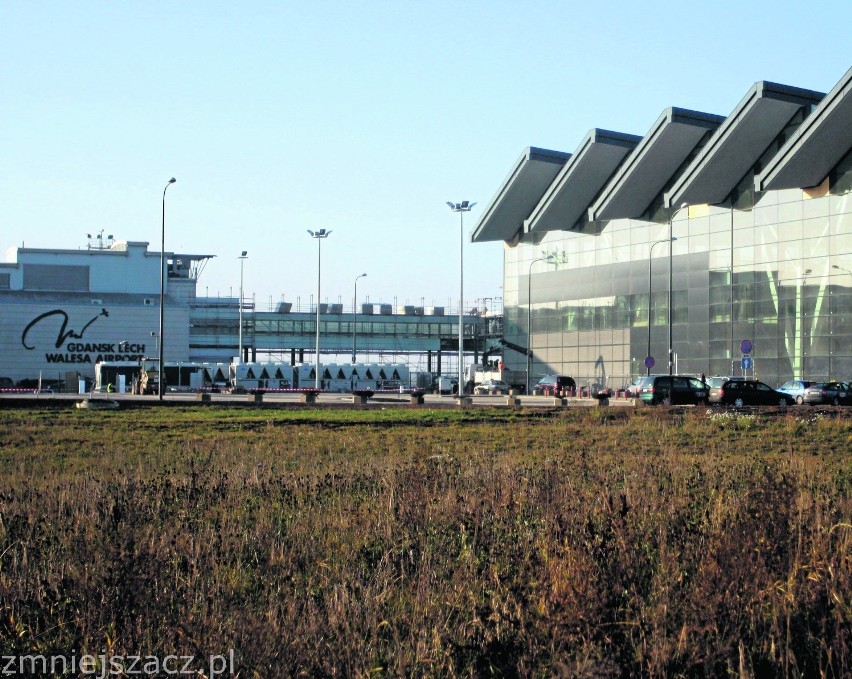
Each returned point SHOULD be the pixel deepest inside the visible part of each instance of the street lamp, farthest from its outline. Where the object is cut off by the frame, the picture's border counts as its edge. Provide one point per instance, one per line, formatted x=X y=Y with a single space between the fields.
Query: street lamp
x=355 y=315
x=162 y=366
x=549 y=259
x=319 y=235
x=461 y=208
x=671 y=238
x=242 y=259
x=650 y=254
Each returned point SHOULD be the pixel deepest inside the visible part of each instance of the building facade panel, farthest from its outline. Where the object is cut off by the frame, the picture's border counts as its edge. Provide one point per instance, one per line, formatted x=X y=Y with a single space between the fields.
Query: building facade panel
x=48 y=338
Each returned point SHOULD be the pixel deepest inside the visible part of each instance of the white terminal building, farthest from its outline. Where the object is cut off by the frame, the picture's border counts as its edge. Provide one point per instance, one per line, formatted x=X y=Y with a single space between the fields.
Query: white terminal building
x=65 y=310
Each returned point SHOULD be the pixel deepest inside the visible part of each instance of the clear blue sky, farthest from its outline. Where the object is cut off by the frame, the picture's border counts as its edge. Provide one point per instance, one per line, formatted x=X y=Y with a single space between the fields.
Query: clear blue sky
x=360 y=117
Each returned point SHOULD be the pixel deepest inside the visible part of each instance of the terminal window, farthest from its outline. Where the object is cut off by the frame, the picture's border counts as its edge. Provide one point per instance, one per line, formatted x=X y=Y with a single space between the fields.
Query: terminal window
x=56 y=277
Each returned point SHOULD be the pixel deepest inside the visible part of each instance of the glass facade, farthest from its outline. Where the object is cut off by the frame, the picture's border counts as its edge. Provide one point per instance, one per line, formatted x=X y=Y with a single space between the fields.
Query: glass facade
x=773 y=268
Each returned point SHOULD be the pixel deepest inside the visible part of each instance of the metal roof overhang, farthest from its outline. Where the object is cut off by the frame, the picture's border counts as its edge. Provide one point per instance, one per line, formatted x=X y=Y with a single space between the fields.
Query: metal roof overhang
x=646 y=171
x=577 y=184
x=519 y=194
x=816 y=147
x=738 y=143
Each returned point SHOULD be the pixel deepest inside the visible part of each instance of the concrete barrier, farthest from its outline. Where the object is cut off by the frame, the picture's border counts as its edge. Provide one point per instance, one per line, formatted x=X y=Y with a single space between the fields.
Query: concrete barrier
x=359 y=399
x=255 y=398
x=417 y=399
x=309 y=397
x=513 y=402
x=463 y=401
x=203 y=396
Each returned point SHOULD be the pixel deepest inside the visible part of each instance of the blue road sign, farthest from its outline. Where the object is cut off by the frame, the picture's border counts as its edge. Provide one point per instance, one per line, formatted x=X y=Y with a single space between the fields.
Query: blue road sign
x=649 y=362
x=746 y=346
x=747 y=363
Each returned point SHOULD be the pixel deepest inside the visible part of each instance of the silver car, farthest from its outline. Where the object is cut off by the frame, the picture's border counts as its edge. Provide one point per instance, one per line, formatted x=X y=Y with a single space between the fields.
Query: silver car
x=491 y=387
x=796 y=389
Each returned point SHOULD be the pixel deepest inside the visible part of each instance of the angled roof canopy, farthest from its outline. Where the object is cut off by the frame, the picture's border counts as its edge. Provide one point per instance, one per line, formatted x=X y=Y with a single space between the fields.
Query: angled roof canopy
x=568 y=197
x=738 y=143
x=519 y=194
x=821 y=141
x=646 y=171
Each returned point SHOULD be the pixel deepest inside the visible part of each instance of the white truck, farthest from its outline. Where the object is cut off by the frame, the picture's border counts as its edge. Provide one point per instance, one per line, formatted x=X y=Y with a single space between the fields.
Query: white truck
x=476 y=374
x=446 y=384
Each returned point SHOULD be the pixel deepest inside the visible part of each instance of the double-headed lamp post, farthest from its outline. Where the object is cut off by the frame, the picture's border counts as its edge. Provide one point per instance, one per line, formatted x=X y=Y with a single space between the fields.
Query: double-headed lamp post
x=162 y=367
x=242 y=259
x=355 y=316
x=461 y=208
x=672 y=238
x=650 y=253
x=320 y=234
x=549 y=259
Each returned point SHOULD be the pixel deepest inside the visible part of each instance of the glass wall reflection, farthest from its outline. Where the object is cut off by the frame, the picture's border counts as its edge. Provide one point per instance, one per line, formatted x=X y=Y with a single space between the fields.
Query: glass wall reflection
x=777 y=273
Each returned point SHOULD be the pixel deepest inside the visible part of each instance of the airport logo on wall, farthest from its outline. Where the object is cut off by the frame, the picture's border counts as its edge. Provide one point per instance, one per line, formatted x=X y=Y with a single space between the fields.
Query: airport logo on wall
x=70 y=351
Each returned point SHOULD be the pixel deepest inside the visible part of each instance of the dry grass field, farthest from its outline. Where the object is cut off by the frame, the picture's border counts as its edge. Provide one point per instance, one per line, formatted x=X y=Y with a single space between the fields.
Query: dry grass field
x=431 y=543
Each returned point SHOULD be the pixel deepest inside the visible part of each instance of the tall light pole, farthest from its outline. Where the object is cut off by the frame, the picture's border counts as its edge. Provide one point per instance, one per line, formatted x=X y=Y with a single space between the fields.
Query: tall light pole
x=650 y=253
x=461 y=208
x=671 y=249
x=162 y=366
x=355 y=315
x=549 y=258
x=242 y=259
x=320 y=234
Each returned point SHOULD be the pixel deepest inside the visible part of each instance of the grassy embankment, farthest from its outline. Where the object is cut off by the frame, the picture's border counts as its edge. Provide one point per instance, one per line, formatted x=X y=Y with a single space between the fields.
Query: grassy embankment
x=431 y=543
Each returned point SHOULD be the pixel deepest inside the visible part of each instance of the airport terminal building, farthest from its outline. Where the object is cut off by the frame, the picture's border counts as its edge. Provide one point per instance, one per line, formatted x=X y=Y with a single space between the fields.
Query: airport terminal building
x=744 y=222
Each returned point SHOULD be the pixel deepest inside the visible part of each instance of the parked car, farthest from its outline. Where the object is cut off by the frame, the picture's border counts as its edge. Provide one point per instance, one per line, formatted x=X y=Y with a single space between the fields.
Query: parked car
x=796 y=389
x=831 y=393
x=741 y=393
x=491 y=387
x=635 y=387
x=554 y=385
x=673 y=390
x=714 y=384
